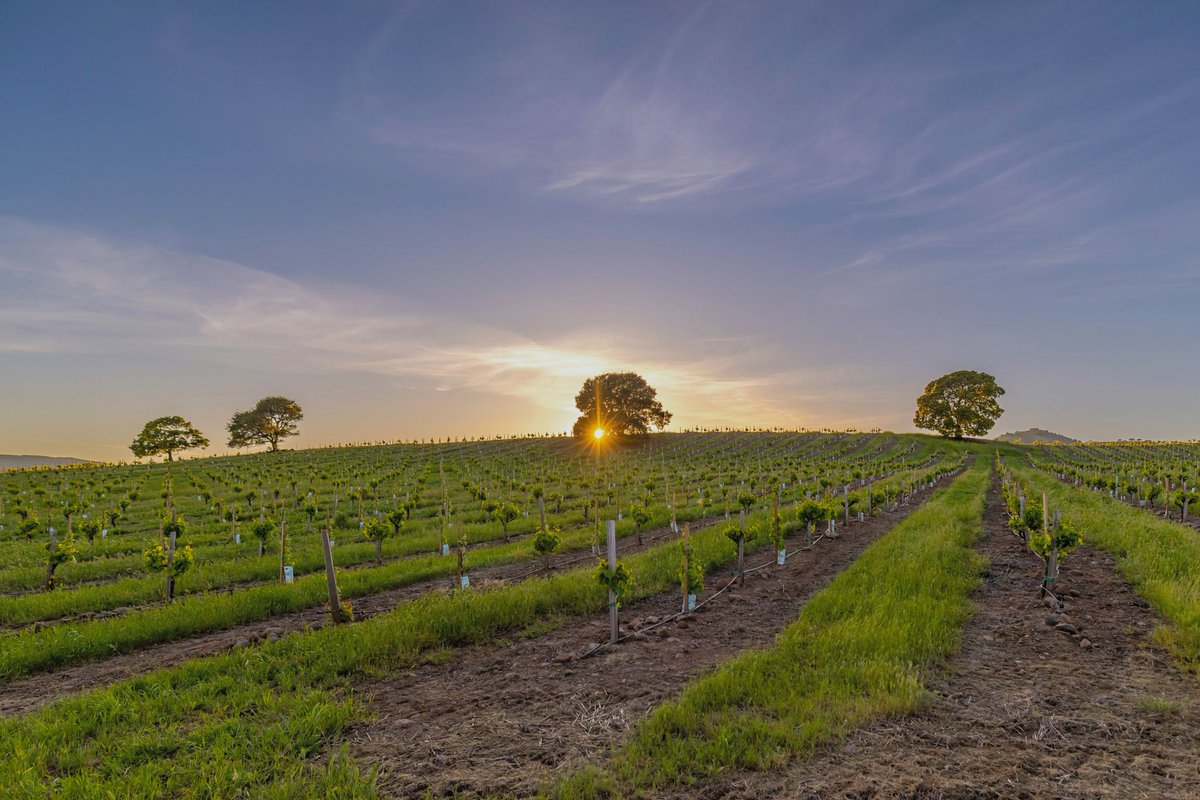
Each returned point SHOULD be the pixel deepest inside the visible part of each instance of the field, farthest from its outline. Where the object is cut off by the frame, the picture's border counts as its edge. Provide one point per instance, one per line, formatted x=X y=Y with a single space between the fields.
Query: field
x=903 y=643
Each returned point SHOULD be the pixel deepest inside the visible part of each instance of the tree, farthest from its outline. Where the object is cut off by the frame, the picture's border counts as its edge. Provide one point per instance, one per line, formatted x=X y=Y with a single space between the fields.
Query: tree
x=271 y=419
x=627 y=406
x=962 y=403
x=167 y=435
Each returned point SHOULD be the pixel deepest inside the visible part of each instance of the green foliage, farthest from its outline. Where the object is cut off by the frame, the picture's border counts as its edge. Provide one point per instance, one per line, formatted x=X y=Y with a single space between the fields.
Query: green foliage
x=374 y=530
x=812 y=512
x=167 y=435
x=262 y=529
x=692 y=579
x=546 y=540
x=156 y=559
x=1064 y=536
x=90 y=529
x=62 y=552
x=271 y=420
x=615 y=580
x=959 y=404
x=776 y=530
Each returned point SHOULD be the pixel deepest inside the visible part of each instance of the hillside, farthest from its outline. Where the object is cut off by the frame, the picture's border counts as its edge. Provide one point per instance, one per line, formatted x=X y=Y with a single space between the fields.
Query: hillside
x=18 y=462
x=1035 y=435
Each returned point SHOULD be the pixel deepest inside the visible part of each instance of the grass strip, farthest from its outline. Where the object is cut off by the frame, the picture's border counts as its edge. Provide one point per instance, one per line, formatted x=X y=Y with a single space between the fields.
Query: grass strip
x=1159 y=558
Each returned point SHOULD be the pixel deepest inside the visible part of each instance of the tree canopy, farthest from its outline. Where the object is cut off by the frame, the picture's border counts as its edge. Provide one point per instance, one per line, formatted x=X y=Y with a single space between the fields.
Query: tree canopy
x=167 y=435
x=958 y=404
x=628 y=406
x=271 y=419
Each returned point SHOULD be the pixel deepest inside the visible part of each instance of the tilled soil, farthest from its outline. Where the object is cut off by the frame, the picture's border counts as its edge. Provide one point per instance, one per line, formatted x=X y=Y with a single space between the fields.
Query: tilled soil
x=509 y=716
x=1025 y=711
x=26 y=694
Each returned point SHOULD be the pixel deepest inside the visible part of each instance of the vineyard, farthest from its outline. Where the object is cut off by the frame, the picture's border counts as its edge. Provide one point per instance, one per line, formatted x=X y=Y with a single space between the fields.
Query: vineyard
x=737 y=613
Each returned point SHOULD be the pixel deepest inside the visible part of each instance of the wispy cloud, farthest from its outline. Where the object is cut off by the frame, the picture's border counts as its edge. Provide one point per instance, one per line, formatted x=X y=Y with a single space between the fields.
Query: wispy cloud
x=74 y=293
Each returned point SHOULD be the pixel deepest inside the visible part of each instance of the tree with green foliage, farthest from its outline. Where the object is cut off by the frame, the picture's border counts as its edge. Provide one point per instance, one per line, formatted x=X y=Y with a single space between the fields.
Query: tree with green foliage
x=959 y=404
x=271 y=419
x=174 y=560
x=376 y=532
x=504 y=513
x=168 y=435
x=627 y=406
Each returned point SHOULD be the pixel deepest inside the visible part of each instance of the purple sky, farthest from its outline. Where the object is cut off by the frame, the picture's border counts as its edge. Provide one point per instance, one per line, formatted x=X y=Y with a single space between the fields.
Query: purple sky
x=439 y=218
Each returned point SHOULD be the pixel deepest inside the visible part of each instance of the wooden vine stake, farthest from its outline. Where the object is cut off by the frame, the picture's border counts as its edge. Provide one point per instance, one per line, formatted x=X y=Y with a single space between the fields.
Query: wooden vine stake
x=335 y=604
x=614 y=633
x=282 y=546
x=462 y=548
x=741 y=547
x=171 y=559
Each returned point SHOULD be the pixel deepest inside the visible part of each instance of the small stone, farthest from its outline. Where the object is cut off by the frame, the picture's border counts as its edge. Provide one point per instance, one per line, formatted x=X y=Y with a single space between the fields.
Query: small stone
x=1066 y=628
x=1050 y=602
x=121 y=610
x=272 y=637
x=563 y=658
x=1086 y=644
x=242 y=643
x=1052 y=620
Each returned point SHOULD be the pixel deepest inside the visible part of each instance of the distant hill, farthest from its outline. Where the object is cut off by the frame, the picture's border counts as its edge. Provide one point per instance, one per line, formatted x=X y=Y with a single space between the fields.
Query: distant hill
x=1035 y=435
x=17 y=462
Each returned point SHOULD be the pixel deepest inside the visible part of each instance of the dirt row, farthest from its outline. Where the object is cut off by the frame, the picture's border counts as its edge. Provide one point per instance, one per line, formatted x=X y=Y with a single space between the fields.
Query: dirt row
x=509 y=716
x=26 y=694
x=1027 y=709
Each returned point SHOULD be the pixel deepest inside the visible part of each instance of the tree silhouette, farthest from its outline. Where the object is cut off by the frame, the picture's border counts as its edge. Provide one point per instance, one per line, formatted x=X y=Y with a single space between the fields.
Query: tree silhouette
x=627 y=406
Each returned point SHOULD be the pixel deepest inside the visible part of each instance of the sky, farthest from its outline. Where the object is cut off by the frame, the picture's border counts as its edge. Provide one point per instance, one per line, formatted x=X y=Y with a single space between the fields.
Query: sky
x=438 y=218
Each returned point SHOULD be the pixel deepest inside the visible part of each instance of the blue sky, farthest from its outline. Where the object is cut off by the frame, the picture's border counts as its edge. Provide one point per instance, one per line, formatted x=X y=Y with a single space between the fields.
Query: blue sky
x=424 y=218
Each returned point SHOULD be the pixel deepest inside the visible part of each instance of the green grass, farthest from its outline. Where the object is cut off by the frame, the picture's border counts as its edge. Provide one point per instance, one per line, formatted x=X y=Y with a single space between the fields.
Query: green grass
x=860 y=649
x=1161 y=559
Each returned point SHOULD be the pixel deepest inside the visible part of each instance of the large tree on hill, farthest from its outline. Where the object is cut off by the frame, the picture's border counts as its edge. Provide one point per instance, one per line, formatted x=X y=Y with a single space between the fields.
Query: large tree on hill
x=271 y=419
x=167 y=435
x=627 y=406
x=962 y=403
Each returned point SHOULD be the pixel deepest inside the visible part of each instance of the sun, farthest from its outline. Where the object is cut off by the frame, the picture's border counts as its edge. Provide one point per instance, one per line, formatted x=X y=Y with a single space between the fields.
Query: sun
x=598 y=433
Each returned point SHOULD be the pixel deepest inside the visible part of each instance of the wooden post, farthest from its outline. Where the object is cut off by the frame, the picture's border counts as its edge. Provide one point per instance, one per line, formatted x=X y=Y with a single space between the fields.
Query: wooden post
x=741 y=569
x=335 y=604
x=170 y=562
x=461 y=548
x=282 y=545
x=610 y=528
x=50 y=560
x=687 y=558
x=846 y=501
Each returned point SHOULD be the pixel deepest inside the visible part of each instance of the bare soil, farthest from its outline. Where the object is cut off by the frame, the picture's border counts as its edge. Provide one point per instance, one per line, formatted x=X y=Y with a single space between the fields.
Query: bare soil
x=1025 y=711
x=512 y=715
